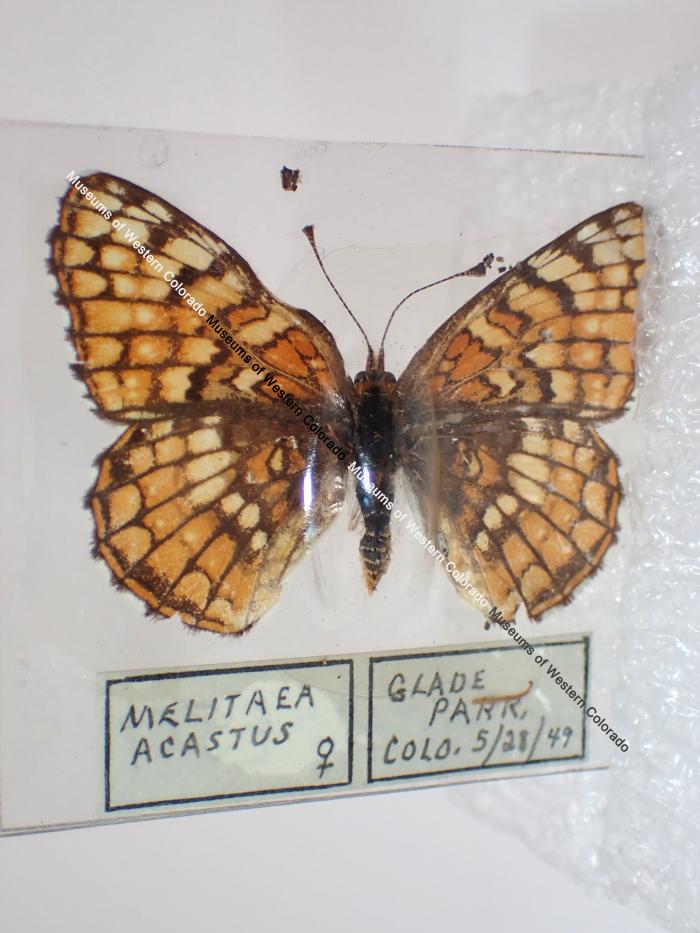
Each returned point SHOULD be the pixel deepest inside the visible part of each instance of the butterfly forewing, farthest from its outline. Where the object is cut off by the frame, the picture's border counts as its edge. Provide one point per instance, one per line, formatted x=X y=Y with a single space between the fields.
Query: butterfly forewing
x=141 y=345
x=555 y=331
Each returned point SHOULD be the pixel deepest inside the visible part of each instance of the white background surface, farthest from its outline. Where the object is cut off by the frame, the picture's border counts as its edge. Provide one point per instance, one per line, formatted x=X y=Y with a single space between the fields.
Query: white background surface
x=389 y=72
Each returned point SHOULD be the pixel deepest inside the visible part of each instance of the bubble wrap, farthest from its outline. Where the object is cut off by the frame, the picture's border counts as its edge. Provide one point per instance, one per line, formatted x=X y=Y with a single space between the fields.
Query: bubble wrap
x=633 y=831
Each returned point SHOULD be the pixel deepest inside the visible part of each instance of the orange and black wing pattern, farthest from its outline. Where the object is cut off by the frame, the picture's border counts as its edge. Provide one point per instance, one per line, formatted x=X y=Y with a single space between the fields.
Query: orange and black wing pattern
x=141 y=285
x=496 y=410
x=216 y=488
x=203 y=516
x=525 y=506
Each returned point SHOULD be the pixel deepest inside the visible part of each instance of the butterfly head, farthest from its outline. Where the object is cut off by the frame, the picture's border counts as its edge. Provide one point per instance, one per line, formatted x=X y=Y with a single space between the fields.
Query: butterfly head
x=373 y=380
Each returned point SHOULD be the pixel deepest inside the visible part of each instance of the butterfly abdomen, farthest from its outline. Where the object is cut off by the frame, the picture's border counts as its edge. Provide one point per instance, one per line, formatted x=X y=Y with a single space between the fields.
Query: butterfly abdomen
x=375 y=550
x=374 y=466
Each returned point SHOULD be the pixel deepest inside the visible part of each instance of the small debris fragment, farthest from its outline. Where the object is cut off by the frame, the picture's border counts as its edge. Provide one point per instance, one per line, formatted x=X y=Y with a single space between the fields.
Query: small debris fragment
x=291 y=178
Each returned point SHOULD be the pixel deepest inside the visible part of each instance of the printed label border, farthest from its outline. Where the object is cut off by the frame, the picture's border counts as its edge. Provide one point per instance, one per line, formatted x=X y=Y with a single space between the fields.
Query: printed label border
x=419 y=655
x=207 y=672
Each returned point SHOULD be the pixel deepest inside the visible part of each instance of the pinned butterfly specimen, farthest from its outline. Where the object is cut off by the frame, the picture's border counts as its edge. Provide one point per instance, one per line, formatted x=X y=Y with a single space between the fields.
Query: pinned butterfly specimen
x=218 y=485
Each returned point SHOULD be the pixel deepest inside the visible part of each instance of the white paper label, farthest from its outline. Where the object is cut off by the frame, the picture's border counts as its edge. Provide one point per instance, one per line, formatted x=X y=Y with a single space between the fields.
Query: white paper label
x=213 y=734
x=313 y=728
x=442 y=712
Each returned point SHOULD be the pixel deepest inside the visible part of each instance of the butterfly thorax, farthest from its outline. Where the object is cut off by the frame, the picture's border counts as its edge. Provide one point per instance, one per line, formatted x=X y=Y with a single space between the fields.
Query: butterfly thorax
x=375 y=464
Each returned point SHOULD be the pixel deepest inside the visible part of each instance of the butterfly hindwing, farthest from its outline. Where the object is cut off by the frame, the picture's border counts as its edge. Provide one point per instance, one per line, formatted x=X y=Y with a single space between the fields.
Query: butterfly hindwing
x=204 y=516
x=527 y=507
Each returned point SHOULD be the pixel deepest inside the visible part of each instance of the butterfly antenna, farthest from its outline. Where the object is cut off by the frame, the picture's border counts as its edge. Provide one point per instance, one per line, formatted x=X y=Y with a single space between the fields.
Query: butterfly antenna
x=309 y=233
x=479 y=269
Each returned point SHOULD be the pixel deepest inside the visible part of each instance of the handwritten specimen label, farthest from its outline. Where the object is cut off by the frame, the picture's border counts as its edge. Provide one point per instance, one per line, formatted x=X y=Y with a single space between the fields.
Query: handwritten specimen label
x=440 y=712
x=207 y=735
x=324 y=727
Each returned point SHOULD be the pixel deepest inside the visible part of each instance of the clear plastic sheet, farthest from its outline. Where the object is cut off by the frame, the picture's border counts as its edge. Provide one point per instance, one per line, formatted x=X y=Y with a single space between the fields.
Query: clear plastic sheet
x=632 y=831
x=603 y=118
x=389 y=219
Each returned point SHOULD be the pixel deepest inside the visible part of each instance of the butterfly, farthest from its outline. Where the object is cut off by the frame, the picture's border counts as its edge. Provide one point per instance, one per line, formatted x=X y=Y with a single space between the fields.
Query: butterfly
x=238 y=413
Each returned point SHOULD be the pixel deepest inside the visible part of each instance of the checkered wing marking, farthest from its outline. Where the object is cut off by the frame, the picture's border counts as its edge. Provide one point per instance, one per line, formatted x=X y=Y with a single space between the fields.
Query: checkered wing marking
x=141 y=349
x=495 y=412
x=204 y=504
x=526 y=507
x=203 y=517
x=554 y=332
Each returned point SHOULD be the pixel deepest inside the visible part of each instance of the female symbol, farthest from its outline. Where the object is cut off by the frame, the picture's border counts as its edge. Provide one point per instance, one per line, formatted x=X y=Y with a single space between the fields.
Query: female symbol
x=324 y=752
